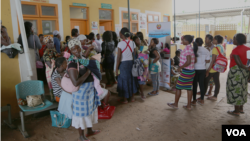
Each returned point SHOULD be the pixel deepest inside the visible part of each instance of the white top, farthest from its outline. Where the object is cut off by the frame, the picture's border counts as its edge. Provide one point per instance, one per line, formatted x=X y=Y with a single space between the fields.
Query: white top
x=99 y=46
x=100 y=41
x=127 y=54
x=203 y=55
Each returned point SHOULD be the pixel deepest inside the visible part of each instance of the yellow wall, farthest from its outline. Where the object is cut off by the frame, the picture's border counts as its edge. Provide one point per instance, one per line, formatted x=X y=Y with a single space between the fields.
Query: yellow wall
x=10 y=74
x=230 y=33
x=163 y=6
x=229 y=49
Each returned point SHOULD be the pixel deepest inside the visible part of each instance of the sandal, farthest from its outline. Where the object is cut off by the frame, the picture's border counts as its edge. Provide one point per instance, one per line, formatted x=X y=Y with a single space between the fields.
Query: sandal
x=232 y=113
x=199 y=102
x=95 y=132
x=212 y=98
x=193 y=104
x=172 y=105
x=133 y=100
x=185 y=107
x=143 y=98
x=242 y=112
x=207 y=94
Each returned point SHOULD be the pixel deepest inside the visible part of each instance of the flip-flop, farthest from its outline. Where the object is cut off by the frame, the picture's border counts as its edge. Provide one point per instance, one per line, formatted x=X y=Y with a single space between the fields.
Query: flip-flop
x=232 y=113
x=185 y=107
x=95 y=132
x=132 y=100
x=143 y=98
x=208 y=94
x=172 y=106
x=242 y=112
x=193 y=104
x=198 y=101
x=210 y=98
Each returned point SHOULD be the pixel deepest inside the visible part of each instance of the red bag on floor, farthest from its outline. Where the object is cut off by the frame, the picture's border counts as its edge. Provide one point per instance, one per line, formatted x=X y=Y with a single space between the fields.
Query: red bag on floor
x=106 y=113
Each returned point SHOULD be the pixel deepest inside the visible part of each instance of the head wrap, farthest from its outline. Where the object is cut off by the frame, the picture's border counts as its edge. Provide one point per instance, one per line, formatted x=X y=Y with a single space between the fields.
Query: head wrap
x=81 y=37
x=74 y=42
x=47 y=38
x=55 y=32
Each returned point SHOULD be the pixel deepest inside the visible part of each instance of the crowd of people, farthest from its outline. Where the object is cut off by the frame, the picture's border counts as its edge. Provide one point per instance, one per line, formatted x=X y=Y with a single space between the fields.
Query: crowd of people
x=73 y=70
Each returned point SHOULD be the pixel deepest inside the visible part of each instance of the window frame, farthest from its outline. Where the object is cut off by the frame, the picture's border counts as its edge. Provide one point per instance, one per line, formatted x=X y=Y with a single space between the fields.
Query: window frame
x=112 y=18
x=48 y=5
x=39 y=16
x=167 y=17
x=153 y=19
x=32 y=3
x=131 y=21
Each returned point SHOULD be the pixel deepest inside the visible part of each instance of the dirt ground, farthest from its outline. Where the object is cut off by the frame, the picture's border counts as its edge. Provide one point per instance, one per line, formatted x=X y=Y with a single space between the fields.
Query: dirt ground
x=156 y=121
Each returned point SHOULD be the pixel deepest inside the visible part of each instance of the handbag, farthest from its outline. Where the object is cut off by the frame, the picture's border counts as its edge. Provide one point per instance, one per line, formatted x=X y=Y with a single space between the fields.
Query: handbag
x=39 y=63
x=59 y=120
x=67 y=84
x=34 y=100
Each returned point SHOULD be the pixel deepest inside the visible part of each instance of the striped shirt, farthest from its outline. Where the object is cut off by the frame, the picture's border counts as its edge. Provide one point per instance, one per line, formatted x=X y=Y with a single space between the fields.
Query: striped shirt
x=57 y=90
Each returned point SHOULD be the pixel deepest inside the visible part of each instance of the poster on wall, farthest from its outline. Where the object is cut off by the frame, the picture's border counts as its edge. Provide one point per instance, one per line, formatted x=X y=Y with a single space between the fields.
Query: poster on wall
x=94 y=27
x=162 y=31
x=143 y=21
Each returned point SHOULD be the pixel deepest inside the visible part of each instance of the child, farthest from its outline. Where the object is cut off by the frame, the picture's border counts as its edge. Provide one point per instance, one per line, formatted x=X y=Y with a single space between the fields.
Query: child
x=174 y=75
x=141 y=79
x=56 y=77
x=154 y=66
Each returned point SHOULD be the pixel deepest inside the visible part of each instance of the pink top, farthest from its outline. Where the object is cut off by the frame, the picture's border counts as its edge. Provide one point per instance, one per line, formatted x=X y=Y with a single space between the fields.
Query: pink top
x=188 y=50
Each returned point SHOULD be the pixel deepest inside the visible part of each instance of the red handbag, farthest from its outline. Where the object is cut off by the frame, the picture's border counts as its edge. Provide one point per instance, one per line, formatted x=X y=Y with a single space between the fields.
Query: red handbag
x=67 y=84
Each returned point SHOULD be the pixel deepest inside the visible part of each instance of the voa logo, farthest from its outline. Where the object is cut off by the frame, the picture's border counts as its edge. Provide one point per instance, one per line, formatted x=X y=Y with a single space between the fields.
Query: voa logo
x=236 y=132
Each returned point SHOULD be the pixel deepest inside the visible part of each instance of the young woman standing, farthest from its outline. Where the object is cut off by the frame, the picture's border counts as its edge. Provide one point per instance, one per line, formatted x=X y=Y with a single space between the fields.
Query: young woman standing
x=200 y=71
x=185 y=81
x=127 y=84
x=211 y=73
x=238 y=76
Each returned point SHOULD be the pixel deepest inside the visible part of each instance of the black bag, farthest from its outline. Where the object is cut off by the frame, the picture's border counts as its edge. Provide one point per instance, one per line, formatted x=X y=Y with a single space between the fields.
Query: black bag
x=11 y=52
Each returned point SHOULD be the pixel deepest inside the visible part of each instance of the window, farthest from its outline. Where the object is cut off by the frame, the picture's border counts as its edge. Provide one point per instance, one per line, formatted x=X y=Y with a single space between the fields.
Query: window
x=133 y=21
x=153 y=18
x=78 y=13
x=105 y=15
x=45 y=21
x=166 y=18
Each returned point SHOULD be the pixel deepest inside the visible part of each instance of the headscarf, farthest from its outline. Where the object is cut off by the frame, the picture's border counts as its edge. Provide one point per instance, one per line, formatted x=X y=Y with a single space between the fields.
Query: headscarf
x=47 y=38
x=81 y=37
x=74 y=42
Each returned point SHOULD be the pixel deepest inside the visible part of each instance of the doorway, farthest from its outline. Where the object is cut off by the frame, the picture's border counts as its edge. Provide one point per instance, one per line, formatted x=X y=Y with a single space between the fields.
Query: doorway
x=106 y=20
x=79 y=19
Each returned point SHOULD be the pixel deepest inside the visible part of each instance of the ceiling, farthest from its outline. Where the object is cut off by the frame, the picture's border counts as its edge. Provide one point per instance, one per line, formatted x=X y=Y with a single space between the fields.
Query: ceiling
x=214 y=13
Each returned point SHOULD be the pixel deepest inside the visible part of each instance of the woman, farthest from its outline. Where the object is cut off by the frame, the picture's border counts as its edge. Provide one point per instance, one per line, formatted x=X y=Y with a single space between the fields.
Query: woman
x=237 y=80
x=66 y=48
x=127 y=84
x=140 y=35
x=33 y=40
x=4 y=37
x=108 y=47
x=211 y=73
x=41 y=51
x=185 y=80
x=154 y=66
x=177 y=58
x=92 y=42
x=115 y=38
x=49 y=57
x=85 y=100
x=203 y=57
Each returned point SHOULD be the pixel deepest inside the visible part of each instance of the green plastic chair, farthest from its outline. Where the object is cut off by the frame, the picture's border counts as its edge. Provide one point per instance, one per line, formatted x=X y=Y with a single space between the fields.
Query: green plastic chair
x=31 y=87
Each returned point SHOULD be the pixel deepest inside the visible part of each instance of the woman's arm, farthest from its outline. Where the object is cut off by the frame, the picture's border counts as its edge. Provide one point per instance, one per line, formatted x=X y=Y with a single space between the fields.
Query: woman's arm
x=211 y=64
x=239 y=62
x=73 y=75
x=156 y=53
x=187 y=63
x=119 y=54
x=37 y=42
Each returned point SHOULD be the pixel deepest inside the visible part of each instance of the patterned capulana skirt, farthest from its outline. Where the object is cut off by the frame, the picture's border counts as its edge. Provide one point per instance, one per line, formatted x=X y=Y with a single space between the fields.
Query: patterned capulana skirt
x=237 y=86
x=185 y=80
x=127 y=84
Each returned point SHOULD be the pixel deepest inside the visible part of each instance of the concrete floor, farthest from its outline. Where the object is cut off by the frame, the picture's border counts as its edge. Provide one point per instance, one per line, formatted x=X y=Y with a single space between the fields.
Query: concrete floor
x=156 y=121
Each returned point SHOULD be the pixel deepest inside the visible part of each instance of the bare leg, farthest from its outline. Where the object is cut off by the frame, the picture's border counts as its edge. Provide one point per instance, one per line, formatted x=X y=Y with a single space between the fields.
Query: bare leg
x=189 y=99
x=141 y=89
x=105 y=100
x=90 y=131
x=82 y=136
x=177 y=97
